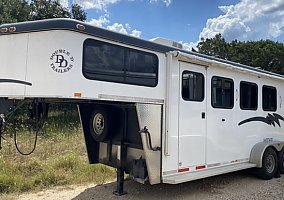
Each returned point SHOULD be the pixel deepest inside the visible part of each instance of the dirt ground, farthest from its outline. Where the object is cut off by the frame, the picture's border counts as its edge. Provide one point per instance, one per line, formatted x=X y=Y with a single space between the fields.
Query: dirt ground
x=234 y=186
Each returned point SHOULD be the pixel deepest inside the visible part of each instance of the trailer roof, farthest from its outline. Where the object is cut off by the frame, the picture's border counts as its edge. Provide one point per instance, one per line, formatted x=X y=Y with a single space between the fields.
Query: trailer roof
x=74 y=25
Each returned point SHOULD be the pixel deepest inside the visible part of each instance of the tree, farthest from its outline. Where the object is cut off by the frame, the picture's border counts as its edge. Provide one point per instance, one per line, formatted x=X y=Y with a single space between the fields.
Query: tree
x=46 y=9
x=78 y=13
x=20 y=10
x=264 y=54
x=216 y=47
x=14 y=11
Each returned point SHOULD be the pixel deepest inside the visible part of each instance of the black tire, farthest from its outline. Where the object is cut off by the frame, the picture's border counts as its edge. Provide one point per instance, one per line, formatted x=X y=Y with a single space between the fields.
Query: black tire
x=101 y=124
x=281 y=161
x=269 y=165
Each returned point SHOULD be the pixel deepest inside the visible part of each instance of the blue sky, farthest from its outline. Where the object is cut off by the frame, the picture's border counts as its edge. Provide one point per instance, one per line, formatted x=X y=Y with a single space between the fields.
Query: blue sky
x=187 y=21
x=178 y=21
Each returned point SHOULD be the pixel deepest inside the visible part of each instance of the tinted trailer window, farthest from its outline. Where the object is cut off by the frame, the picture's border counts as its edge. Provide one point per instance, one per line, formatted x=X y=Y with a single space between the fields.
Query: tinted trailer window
x=108 y=62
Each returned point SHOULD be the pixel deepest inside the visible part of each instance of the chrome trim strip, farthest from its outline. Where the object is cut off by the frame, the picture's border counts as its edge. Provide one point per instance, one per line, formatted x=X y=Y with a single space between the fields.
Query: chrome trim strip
x=130 y=99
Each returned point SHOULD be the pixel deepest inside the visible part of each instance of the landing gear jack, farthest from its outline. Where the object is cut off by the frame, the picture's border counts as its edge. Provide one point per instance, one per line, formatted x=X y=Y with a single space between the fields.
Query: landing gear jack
x=120 y=183
x=120 y=172
x=123 y=159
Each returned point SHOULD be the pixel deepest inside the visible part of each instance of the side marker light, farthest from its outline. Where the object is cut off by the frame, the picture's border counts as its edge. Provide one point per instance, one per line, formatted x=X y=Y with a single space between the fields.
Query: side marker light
x=81 y=27
x=77 y=94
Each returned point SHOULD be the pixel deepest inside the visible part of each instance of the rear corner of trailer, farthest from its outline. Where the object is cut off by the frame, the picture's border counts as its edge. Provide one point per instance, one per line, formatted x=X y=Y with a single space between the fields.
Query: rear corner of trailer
x=39 y=59
x=13 y=62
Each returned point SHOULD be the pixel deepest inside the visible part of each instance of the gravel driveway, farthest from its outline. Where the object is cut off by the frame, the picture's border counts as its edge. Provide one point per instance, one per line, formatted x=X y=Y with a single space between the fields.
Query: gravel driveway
x=239 y=185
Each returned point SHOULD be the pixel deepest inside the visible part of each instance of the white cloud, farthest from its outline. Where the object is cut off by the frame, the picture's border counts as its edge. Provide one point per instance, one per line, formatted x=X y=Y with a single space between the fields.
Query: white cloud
x=124 y=29
x=95 y=4
x=166 y=2
x=248 y=20
x=135 y=33
x=103 y=20
x=188 y=46
x=117 y=28
x=127 y=26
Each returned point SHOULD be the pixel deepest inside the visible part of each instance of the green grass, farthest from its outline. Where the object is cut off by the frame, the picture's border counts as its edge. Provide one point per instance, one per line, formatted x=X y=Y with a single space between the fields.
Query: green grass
x=59 y=159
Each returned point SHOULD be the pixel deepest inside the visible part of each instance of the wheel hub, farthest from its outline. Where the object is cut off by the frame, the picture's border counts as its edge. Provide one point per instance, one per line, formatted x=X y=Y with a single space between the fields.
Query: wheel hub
x=98 y=123
x=270 y=163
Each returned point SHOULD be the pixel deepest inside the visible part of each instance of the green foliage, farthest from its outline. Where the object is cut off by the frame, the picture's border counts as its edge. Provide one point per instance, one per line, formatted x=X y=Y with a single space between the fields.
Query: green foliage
x=216 y=47
x=22 y=10
x=46 y=9
x=78 y=13
x=66 y=163
x=264 y=54
x=59 y=159
x=14 y=11
x=8 y=182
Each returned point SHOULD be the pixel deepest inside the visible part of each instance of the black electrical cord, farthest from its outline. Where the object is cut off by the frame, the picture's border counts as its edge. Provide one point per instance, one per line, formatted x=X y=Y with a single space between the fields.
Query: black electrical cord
x=2 y=128
x=16 y=144
x=39 y=121
x=1 y=132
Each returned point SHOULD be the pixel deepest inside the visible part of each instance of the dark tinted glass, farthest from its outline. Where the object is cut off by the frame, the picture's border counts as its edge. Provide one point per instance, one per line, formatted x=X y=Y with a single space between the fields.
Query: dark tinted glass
x=108 y=62
x=98 y=65
x=269 y=98
x=142 y=68
x=248 y=96
x=192 y=86
x=222 y=92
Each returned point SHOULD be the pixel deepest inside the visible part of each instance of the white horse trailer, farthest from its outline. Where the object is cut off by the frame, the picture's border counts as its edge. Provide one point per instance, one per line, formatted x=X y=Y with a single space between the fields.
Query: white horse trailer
x=149 y=108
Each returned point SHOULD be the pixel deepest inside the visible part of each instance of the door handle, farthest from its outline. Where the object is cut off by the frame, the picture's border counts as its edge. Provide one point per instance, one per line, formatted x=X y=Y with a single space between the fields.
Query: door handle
x=203 y=115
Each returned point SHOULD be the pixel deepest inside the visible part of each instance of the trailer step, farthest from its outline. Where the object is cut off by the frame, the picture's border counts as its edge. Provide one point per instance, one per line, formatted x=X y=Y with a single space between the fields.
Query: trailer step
x=189 y=176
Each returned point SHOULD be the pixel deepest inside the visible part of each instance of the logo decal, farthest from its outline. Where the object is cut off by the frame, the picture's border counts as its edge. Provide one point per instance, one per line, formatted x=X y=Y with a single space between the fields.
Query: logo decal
x=270 y=119
x=61 y=61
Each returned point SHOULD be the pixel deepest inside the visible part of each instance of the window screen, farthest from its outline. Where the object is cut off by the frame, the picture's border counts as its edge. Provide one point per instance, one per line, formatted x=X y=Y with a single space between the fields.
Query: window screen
x=108 y=62
x=192 y=86
x=269 y=98
x=222 y=92
x=248 y=96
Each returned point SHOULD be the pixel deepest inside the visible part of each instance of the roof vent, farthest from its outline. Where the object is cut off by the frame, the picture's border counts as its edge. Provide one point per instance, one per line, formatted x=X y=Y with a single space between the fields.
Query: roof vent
x=167 y=42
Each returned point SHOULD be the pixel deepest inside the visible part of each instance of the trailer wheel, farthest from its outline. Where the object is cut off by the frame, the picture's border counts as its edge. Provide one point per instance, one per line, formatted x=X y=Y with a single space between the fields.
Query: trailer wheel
x=101 y=124
x=269 y=164
x=281 y=161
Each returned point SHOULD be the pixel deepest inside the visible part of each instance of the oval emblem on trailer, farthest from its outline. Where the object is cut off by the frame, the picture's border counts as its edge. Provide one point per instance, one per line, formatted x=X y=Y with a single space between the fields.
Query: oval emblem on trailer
x=61 y=61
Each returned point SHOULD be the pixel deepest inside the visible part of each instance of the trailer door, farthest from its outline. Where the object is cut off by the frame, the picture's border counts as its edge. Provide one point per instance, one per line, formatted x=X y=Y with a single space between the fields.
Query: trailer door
x=192 y=115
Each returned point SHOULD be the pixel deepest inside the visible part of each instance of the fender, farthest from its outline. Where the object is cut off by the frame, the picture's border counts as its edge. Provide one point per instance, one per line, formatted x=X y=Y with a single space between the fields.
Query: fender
x=259 y=148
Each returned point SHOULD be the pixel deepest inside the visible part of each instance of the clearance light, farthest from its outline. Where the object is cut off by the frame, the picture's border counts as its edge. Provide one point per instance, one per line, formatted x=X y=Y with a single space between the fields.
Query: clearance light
x=77 y=94
x=183 y=170
x=4 y=30
x=12 y=29
x=200 y=167
x=81 y=27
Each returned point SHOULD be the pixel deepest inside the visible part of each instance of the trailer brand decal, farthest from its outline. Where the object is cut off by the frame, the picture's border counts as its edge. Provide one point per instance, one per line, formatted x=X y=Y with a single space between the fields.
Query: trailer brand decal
x=61 y=61
x=270 y=119
x=15 y=81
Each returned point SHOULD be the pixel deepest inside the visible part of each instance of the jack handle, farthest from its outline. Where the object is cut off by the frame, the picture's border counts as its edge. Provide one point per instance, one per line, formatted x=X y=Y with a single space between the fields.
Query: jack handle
x=148 y=136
